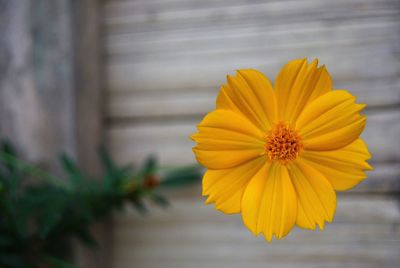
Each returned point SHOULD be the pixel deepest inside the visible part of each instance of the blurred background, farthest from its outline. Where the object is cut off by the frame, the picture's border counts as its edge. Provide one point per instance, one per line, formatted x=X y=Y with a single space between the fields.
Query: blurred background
x=140 y=74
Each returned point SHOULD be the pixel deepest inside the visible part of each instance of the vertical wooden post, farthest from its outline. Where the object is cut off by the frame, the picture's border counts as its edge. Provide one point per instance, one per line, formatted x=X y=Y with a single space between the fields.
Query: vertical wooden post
x=37 y=98
x=50 y=87
x=89 y=80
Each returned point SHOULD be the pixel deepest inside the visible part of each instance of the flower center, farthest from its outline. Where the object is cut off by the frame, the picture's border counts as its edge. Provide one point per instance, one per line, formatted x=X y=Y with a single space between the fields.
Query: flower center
x=283 y=143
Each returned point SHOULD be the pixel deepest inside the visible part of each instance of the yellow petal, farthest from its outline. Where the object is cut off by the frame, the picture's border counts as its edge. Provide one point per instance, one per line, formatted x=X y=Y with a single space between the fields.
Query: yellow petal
x=269 y=204
x=297 y=85
x=250 y=93
x=227 y=139
x=315 y=195
x=331 y=121
x=225 y=187
x=344 y=168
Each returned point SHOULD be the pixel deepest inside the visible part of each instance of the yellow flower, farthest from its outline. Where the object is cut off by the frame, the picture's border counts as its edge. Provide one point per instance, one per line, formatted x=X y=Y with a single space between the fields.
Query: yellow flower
x=277 y=155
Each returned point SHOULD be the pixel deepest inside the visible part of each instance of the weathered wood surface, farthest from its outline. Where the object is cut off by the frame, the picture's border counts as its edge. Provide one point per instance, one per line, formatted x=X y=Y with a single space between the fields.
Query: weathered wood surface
x=203 y=52
x=142 y=16
x=166 y=60
x=207 y=69
x=89 y=94
x=89 y=80
x=36 y=79
x=145 y=105
x=365 y=233
x=50 y=78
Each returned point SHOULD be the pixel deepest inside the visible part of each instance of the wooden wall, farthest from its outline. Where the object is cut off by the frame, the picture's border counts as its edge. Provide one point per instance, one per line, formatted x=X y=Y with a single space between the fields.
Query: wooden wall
x=165 y=63
x=50 y=88
x=36 y=79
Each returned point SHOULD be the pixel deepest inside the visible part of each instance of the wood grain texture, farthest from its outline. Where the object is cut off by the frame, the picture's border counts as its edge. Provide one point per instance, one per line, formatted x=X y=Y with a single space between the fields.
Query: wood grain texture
x=208 y=70
x=166 y=60
x=201 y=53
x=89 y=81
x=89 y=94
x=180 y=238
x=128 y=16
x=265 y=38
x=36 y=80
x=150 y=105
x=49 y=84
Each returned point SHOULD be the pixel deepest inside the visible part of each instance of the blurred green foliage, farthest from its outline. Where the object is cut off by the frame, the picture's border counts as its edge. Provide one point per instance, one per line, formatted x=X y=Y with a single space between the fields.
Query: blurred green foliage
x=40 y=214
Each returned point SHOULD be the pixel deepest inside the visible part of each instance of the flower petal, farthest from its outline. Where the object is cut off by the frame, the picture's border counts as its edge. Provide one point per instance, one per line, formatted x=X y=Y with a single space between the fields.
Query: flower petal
x=315 y=195
x=250 y=93
x=298 y=84
x=227 y=139
x=331 y=121
x=269 y=204
x=225 y=187
x=344 y=168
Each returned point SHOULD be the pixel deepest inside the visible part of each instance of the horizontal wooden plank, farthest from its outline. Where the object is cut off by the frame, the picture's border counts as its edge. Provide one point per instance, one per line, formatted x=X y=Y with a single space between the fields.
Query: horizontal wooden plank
x=217 y=233
x=172 y=103
x=144 y=104
x=365 y=228
x=312 y=34
x=314 y=46
x=207 y=252
x=153 y=18
x=372 y=209
x=382 y=134
x=351 y=263
x=209 y=70
x=118 y=8
x=385 y=178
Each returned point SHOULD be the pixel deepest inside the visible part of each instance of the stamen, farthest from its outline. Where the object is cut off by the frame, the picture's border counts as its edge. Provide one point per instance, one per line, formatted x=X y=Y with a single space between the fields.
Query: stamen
x=283 y=143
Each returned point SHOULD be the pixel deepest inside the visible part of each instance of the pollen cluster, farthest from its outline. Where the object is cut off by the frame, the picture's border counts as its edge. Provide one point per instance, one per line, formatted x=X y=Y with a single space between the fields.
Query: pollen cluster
x=283 y=143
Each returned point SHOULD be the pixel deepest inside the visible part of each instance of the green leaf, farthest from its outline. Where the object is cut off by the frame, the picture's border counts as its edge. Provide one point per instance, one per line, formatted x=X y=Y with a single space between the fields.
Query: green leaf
x=86 y=237
x=114 y=176
x=139 y=205
x=51 y=216
x=72 y=169
x=40 y=217
x=150 y=165
x=106 y=160
x=8 y=149
x=159 y=200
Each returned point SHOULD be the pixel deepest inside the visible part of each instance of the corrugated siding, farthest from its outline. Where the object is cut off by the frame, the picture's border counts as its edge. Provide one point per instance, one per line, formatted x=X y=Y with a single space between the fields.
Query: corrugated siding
x=165 y=62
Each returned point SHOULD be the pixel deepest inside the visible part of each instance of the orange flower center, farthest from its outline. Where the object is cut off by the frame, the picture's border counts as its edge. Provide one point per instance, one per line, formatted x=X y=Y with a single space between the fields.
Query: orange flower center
x=283 y=143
